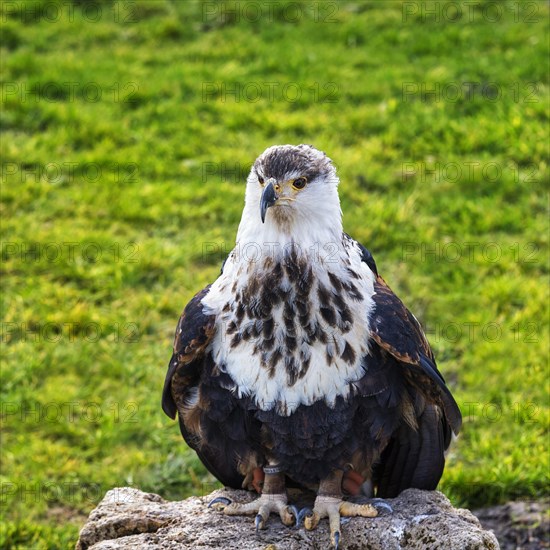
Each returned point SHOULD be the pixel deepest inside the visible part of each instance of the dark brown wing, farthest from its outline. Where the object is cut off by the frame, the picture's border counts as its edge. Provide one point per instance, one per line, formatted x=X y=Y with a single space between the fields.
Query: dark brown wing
x=191 y=391
x=193 y=334
x=412 y=410
x=396 y=330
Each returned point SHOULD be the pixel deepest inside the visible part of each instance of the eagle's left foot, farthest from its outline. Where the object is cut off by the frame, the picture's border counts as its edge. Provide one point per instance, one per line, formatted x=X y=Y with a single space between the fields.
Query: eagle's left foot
x=273 y=499
x=329 y=504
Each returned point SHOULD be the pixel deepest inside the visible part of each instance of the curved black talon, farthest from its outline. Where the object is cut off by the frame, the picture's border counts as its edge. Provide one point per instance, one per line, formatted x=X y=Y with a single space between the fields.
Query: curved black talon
x=296 y=514
x=380 y=502
x=302 y=514
x=336 y=540
x=223 y=500
x=258 y=523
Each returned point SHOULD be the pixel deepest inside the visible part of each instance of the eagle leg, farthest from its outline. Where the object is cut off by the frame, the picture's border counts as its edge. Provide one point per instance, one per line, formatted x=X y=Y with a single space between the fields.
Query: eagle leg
x=272 y=499
x=329 y=504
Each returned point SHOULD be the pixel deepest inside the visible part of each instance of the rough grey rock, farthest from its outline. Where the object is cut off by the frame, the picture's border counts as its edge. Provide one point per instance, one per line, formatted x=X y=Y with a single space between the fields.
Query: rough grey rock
x=127 y=518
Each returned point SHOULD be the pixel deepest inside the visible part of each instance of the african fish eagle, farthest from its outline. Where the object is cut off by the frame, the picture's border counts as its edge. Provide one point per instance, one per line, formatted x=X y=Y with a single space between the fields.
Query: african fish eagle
x=298 y=365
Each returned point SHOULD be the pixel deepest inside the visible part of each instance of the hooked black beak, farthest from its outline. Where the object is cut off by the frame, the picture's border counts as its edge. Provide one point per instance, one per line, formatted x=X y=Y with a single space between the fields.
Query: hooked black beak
x=269 y=197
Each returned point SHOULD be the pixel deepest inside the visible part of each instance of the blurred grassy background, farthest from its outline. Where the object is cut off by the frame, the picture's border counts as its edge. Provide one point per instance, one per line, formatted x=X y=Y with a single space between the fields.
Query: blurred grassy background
x=127 y=132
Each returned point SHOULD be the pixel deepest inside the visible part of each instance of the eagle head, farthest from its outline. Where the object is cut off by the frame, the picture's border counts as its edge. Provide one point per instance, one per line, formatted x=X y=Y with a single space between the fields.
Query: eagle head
x=292 y=185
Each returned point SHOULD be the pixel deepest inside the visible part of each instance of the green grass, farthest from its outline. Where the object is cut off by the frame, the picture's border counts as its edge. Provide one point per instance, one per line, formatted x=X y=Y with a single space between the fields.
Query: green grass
x=86 y=337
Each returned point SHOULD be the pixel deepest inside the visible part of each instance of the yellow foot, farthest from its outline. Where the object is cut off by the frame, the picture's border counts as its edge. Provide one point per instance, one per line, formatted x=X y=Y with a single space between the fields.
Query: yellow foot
x=262 y=507
x=333 y=508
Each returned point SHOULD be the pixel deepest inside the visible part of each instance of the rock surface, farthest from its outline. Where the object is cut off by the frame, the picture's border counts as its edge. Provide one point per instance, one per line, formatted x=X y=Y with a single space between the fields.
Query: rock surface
x=127 y=518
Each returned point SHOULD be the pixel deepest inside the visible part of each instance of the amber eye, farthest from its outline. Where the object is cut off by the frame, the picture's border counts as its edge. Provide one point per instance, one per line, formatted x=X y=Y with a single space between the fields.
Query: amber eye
x=299 y=183
x=260 y=179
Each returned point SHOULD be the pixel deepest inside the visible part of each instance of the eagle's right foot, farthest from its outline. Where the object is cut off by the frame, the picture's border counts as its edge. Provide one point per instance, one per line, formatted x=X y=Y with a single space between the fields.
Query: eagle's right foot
x=272 y=500
x=262 y=507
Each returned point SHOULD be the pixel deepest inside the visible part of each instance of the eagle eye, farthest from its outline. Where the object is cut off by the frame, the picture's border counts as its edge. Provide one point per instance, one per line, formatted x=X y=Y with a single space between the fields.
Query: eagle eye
x=261 y=180
x=299 y=183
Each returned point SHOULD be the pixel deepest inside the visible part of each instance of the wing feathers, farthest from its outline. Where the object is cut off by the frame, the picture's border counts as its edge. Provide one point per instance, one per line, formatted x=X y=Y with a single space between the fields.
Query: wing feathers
x=193 y=334
x=396 y=330
x=413 y=458
x=400 y=357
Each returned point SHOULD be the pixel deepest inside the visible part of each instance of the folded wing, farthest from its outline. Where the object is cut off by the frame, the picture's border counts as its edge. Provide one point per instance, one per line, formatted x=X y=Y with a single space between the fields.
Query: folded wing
x=416 y=415
x=208 y=420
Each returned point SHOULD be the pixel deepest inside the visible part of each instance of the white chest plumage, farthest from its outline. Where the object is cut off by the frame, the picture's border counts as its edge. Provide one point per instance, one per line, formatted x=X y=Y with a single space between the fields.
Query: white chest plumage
x=292 y=327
